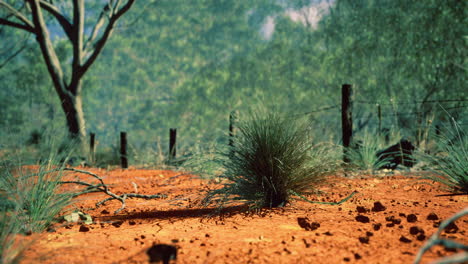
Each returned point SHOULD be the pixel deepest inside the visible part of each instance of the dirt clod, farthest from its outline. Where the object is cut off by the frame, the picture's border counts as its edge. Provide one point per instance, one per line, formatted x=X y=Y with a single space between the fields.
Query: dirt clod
x=161 y=252
x=452 y=228
x=411 y=218
x=357 y=256
x=377 y=226
x=362 y=219
x=414 y=230
x=432 y=216
x=305 y=223
x=378 y=207
x=364 y=240
x=84 y=228
x=361 y=209
x=117 y=223
x=405 y=239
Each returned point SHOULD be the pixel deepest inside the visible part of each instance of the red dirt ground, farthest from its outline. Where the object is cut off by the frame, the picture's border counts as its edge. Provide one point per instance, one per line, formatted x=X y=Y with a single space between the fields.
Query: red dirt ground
x=269 y=236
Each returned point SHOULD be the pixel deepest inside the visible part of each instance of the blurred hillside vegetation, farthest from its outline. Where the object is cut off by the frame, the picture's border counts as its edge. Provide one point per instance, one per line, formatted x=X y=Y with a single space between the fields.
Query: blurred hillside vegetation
x=188 y=64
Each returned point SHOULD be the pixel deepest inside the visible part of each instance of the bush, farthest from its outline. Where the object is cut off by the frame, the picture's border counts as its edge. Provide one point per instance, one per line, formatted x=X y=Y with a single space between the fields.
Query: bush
x=271 y=158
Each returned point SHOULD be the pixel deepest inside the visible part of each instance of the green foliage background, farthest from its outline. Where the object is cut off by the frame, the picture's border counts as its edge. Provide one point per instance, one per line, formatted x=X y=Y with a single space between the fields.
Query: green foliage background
x=188 y=64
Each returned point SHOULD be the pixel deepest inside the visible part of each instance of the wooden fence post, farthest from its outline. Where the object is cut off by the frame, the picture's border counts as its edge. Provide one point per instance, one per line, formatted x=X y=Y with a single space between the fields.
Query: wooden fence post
x=346 y=118
x=92 y=146
x=232 y=127
x=123 y=150
x=172 y=143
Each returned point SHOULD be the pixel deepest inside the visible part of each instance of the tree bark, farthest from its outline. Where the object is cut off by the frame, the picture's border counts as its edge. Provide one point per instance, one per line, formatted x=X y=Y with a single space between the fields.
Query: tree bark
x=73 y=109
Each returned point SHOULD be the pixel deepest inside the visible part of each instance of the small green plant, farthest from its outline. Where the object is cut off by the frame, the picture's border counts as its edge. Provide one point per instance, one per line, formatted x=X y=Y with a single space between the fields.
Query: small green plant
x=363 y=154
x=9 y=251
x=29 y=202
x=271 y=159
x=450 y=164
x=35 y=193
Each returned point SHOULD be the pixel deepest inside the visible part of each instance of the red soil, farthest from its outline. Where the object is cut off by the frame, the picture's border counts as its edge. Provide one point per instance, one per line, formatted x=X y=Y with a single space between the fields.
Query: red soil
x=301 y=232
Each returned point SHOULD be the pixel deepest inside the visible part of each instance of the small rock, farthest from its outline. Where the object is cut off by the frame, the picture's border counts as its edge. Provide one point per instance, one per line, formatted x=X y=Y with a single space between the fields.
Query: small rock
x=452 y=228
x=305 y=223
x=357 y=256
x=162 y=252
x=414 y=230
x=432 y=216
x=362 y=219
x=369 y=234
x=421 y=237
x=405 y=240
x=378 y=207
x=377 y=226
x=117 y=223
x=411 y=218
x=364 y=240
x=84 y=228
x=361 y=209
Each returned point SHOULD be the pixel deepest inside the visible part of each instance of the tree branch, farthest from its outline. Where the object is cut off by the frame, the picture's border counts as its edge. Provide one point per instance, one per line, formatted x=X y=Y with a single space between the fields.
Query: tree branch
x=97 y=27
x=16 y=25
x=105 y=36
x=17 y=14
x=50 y=57
x=77 y=43
x=53 y=10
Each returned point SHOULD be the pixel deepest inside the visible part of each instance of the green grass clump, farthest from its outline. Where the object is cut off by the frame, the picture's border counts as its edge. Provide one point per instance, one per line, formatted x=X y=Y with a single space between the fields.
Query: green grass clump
x=450 y=164
x=272 y=157
x=29 y=202
x=363 y=155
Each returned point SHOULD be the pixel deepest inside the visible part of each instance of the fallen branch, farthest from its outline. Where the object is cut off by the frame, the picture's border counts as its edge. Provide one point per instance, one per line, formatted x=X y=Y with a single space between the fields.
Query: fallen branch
x=436 y=240
x=102 y=187
x=329 y=203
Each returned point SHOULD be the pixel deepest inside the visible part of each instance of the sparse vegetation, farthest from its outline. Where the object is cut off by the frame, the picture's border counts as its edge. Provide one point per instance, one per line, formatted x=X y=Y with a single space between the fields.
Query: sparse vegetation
x=363 y=154
x=272 y=156
x=450 y=163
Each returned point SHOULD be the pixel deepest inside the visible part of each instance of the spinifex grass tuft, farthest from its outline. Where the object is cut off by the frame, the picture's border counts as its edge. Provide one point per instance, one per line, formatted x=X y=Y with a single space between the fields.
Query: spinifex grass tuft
x=363 y=154
x=451 y=163
x=33 y=194
x=271 y=158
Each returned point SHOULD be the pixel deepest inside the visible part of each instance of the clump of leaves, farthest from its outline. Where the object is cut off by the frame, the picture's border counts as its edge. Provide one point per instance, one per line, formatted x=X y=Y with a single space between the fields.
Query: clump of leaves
x=450 y=164
x=271 y=159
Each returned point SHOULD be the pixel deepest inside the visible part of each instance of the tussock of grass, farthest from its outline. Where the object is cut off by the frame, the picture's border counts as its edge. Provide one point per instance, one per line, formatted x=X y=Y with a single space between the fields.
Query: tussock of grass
x=363 y=154
x=271 y=156
x=29 y=202
x=451 y=163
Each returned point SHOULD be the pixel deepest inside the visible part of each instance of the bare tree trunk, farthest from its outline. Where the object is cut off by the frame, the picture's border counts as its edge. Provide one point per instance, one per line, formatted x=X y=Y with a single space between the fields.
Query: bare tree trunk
x=73 y=109
x=84 y=53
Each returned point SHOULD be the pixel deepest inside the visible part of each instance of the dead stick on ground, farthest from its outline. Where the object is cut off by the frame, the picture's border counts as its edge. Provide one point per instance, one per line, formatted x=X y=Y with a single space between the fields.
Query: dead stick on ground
x=329 y=203
x=436 y=240
x=102 y=187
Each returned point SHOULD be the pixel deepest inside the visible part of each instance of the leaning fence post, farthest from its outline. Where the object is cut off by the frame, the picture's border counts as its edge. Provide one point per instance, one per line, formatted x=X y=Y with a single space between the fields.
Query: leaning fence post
x=92 y=146
x=346 y=118
x=172 y=142
x=123 y=150
x=232 y=127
